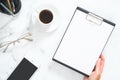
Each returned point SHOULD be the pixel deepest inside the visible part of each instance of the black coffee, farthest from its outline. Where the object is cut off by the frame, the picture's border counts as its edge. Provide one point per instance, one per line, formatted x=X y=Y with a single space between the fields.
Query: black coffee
x=46 y=16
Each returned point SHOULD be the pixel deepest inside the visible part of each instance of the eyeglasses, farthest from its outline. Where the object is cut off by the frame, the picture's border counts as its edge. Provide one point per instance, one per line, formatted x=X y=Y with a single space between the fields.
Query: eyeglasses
x=5 y=45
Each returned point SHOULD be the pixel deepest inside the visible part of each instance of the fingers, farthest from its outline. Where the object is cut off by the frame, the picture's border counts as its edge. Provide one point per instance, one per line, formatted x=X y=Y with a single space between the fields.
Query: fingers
x=102 y=57
x=100 y=64
x=85 y=78
x=97 y=68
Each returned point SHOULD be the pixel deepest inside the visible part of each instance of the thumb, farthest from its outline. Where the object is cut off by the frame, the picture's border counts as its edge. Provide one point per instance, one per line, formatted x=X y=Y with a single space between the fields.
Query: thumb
x=85 y=78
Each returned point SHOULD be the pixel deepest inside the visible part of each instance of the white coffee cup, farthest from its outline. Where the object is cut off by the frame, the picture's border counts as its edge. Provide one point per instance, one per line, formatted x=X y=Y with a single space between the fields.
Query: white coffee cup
x=49 y=25
x=43 y=19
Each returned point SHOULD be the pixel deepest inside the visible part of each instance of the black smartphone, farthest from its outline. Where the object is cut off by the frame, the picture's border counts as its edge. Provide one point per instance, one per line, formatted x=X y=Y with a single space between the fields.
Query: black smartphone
x=23 y=71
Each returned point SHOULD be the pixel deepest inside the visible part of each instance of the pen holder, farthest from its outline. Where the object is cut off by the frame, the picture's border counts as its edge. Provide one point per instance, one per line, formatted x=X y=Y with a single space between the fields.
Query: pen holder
x=10 y=6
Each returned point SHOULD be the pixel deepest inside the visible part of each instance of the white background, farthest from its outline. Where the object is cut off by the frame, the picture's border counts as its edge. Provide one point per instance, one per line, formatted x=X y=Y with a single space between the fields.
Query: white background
x=41 y=50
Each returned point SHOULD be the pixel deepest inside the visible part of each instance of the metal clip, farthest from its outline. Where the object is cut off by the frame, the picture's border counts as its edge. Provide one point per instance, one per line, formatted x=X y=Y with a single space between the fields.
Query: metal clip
x=94 y=19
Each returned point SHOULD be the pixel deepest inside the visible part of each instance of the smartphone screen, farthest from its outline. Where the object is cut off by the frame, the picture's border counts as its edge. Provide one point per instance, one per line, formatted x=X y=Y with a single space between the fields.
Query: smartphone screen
x=23 y=71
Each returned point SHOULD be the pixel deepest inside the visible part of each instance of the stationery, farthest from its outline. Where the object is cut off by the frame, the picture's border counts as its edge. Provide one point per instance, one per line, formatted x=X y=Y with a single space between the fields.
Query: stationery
x=83 y=41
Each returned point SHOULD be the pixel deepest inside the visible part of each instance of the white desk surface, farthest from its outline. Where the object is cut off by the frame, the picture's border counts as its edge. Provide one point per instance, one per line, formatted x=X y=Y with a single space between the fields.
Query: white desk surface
x=41 y=50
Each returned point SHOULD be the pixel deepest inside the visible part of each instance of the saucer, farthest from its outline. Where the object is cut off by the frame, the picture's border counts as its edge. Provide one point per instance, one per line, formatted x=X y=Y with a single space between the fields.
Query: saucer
x=49 y=27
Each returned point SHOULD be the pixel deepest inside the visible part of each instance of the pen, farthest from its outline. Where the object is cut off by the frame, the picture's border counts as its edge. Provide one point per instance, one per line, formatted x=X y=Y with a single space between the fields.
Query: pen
x=9 y=5
x=13 y=5
x=6 y=9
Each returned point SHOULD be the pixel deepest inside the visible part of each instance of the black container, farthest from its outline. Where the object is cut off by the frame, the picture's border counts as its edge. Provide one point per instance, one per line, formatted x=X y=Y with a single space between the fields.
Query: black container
x=15 y=5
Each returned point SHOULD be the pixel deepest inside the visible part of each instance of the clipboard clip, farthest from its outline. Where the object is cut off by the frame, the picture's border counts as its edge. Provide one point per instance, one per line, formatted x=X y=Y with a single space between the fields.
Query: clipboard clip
x=94 y=19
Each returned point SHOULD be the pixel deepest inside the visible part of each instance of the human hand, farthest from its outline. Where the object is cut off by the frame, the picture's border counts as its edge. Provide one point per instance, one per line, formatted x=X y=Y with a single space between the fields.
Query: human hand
x=96 y=74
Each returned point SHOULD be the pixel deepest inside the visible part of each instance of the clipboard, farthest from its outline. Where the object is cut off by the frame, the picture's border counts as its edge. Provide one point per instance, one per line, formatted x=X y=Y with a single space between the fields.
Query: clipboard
x=83 y=41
